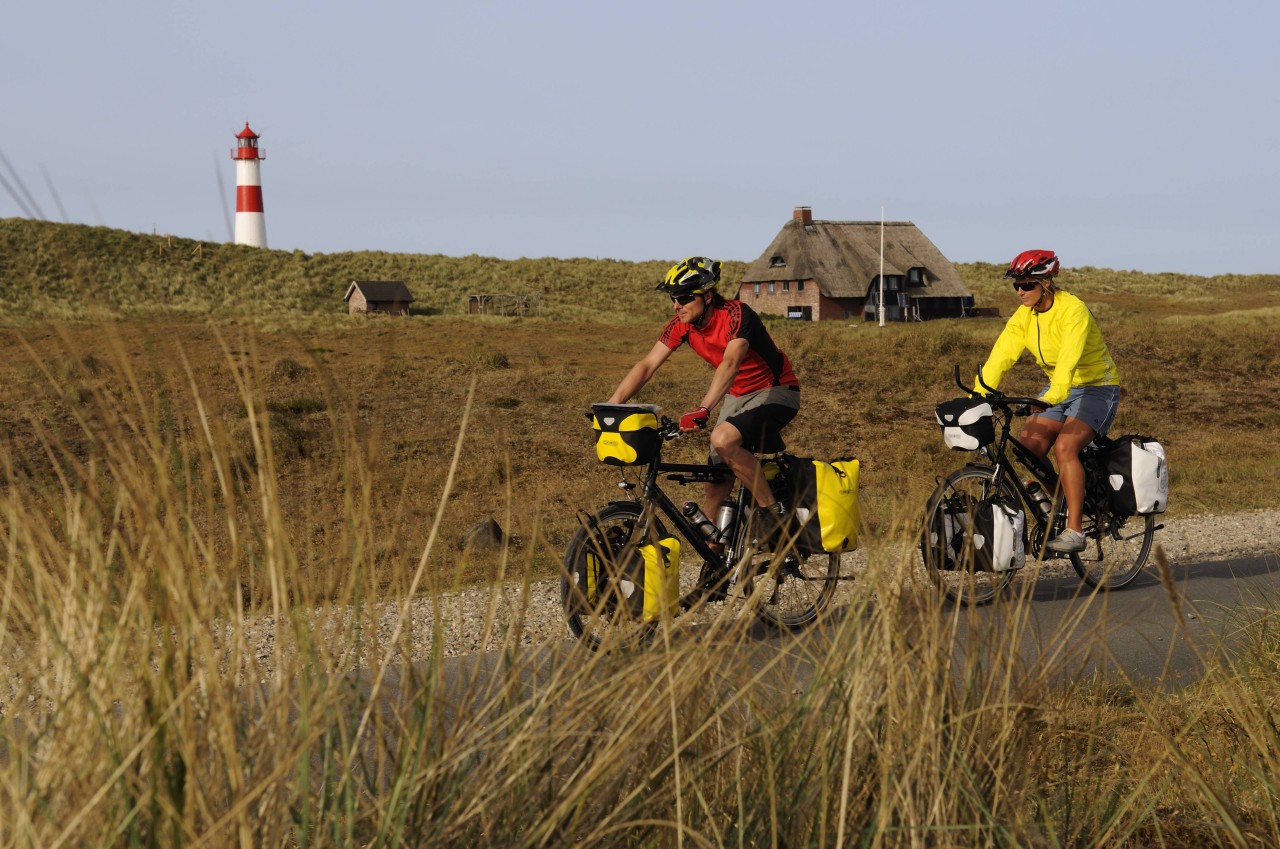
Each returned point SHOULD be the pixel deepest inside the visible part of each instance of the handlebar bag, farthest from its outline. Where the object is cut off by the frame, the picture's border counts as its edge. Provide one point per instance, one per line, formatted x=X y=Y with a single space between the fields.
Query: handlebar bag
x=1137 y=476
x=645 y=582
x=967 y=423
x=822 y=498
x=626 y=434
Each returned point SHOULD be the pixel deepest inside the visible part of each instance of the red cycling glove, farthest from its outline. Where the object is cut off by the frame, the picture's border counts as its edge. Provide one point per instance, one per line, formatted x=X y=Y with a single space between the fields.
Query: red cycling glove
x=695 y=420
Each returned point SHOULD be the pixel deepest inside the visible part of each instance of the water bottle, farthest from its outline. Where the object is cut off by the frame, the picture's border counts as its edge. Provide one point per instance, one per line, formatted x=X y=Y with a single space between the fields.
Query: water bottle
x=724 y=520
x=1039 y=497
x=699 y=519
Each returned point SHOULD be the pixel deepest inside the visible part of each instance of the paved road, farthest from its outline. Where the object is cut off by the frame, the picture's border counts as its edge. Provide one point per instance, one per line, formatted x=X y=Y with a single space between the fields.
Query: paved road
x=1058 y=625
x=1062 y=629
x=1141 y=631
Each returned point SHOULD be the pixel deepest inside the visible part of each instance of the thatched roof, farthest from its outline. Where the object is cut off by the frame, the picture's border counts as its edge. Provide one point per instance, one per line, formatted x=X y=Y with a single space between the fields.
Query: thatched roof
x=380 y=290
x=843 y=257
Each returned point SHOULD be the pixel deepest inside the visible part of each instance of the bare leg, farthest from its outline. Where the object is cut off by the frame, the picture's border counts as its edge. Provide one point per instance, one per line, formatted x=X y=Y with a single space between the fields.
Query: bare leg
x=1075 y=435
x=1039 y=434
x=727 y=441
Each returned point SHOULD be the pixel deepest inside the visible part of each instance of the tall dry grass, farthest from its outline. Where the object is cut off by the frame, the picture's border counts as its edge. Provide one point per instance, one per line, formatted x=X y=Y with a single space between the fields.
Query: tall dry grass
x=391 y=392
x=183 y=666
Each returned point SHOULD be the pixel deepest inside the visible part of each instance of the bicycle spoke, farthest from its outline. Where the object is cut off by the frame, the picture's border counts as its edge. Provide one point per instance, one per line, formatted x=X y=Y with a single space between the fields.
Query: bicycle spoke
x=945 y=541
x=1117 y=551
x=592 y=587
x=794 y=590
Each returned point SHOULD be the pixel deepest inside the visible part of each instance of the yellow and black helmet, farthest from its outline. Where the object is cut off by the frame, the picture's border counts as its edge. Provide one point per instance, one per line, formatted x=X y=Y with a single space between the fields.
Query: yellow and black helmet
x=691 y=276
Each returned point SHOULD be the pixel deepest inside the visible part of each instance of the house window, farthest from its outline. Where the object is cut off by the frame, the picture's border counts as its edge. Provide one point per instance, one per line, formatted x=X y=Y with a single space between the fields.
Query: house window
x=799 y=285
x=915 y=276
x=772 y=287
x=776 y=261
x=786 y=286
x=755 y=288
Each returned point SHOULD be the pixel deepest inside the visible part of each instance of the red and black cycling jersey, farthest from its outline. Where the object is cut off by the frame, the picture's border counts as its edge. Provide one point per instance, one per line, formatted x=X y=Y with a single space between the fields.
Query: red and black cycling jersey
x=764 y=366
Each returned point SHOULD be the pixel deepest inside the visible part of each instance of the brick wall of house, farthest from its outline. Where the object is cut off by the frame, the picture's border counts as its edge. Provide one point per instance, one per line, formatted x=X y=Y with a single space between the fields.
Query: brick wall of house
x=356 y=303
x=843 y=309
x=830 y=310
x=781 y=299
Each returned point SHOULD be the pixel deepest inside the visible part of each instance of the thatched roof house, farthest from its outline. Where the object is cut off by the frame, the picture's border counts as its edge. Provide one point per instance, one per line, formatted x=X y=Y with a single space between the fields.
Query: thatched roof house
x=831 y=270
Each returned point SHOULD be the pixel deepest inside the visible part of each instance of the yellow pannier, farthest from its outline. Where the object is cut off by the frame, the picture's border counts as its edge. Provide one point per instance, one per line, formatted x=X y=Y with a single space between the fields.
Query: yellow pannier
x=646 y=584
x=838 y=513
x=822 y=498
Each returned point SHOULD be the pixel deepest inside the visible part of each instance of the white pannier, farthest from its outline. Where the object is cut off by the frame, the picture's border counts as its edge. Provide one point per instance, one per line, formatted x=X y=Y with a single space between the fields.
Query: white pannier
x=997 y=537
x=1137 y=476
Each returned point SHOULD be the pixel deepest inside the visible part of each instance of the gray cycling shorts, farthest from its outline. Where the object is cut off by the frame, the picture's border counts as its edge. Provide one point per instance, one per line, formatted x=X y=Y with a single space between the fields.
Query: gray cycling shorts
x=1093 y=405
x=760 y=417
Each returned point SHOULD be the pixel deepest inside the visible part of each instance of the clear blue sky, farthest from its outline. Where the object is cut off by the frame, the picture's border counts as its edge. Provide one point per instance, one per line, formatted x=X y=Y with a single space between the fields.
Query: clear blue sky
x=1137 y=135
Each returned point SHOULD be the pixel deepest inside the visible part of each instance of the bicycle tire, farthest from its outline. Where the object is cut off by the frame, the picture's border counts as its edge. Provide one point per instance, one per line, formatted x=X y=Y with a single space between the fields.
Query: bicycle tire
x=594 y=610
x=950 y=568
x=793 y=592
x=1115 y=554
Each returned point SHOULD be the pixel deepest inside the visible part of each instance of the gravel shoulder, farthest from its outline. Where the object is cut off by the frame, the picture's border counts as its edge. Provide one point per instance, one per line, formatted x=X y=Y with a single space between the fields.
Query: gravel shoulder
x=487 y=618
x=479 y=619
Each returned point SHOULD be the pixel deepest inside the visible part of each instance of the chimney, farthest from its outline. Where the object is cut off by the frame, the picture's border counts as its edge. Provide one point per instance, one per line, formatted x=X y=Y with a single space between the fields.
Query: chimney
x=804 y=215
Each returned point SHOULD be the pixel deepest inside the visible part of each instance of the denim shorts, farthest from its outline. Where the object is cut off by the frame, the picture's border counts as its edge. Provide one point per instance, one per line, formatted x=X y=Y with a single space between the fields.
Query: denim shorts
x=1093 y=405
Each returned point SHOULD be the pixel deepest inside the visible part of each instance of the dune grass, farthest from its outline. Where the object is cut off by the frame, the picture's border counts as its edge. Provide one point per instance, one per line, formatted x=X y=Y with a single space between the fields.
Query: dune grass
x=391 y=392
x=192 y=656
x=220 y=537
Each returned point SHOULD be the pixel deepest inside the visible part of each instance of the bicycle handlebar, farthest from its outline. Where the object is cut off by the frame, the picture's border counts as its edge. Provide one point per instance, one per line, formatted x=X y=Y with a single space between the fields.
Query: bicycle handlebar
x=995 y=396
x=669 y=429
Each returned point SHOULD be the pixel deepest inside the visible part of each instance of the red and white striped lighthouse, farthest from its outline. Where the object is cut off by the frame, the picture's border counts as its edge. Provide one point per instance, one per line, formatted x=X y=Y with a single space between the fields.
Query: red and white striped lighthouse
x=251 y=227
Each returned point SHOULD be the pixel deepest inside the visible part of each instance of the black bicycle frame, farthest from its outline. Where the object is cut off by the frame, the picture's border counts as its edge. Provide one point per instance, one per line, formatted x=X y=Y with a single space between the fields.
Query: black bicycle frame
x=686 y=473
x=1040 y=468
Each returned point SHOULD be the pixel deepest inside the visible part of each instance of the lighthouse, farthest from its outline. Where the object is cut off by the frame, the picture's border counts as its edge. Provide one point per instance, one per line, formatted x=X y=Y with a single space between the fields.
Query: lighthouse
x=251 y=227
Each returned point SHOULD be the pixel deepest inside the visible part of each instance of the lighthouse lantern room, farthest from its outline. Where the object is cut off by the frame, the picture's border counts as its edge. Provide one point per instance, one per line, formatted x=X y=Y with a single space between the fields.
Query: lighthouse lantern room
x=251 y=227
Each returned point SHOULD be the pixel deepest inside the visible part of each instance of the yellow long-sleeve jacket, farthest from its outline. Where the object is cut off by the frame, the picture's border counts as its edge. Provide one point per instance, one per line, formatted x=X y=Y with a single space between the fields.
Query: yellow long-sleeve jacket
x=1065 y=341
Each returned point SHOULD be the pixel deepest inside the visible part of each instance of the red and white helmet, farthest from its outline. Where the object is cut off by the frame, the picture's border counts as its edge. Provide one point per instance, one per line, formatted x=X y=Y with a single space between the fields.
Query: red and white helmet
x=1034 y=263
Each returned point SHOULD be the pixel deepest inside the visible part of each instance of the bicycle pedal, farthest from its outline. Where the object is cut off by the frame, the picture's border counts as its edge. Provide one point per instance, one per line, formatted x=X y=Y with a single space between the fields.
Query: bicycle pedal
x=713 y=584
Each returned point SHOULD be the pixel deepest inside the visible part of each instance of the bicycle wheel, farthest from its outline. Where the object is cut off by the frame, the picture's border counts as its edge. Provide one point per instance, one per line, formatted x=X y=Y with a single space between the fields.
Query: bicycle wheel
x=593 y=592
x=794 y=590
x=1117 y=549
x=946 y=540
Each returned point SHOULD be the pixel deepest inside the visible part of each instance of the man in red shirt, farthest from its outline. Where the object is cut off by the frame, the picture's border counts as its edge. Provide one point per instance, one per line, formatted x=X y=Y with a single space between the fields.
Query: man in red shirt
x=752 y=376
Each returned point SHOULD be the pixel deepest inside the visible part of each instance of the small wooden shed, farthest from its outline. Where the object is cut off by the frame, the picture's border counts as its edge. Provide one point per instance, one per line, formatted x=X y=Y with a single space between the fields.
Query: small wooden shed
x=385 y=296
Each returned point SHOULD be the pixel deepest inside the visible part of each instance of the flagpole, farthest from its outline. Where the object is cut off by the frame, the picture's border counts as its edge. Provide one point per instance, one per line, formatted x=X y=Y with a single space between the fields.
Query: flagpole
x=881 y=266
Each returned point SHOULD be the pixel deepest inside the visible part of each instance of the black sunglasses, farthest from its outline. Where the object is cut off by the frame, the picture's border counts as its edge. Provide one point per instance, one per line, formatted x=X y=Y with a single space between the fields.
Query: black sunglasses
x=684 y=299
x=1026 y=285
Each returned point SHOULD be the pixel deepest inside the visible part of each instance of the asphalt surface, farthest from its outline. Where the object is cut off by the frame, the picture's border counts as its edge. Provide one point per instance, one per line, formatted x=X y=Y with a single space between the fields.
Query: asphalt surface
x=1146 y=632
x=1056 y=629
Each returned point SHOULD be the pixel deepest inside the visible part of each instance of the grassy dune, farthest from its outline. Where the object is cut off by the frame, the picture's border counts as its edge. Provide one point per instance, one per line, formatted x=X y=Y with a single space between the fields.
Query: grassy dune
x=170 y=479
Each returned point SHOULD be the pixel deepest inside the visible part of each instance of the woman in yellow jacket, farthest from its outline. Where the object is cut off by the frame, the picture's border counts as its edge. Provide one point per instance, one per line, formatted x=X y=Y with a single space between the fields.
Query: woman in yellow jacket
x=1084 y=387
